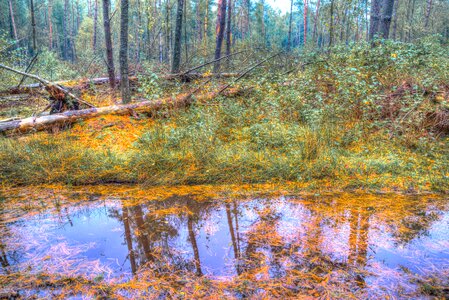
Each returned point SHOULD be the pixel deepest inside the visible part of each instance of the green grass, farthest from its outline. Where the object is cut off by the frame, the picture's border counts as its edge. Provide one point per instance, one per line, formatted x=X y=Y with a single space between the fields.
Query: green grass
x=363 y=119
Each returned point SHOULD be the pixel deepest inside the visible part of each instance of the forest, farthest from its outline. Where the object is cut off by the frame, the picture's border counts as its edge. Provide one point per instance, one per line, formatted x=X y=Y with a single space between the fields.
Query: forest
x=230 y=149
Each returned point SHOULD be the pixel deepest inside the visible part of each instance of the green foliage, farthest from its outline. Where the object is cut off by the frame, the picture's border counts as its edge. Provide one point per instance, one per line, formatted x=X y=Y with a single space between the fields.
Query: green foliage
x=150 y=86
x=360 y=117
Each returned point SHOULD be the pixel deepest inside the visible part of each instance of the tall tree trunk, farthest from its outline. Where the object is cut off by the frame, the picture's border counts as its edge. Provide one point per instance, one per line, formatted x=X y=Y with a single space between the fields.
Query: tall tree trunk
x=108 y=42
x=331 y=24
x=349 y=22
x=137 y=34
x=94 y=42
x=228 y=31
x=12 y=22
x=305 y=21
x=366 y=21
x=73 y=33
x=315 y=22
x=262 y=24
x=343 y=22
x=374 y=18
x=124 y=71
x=427 y=16
x=89 y=8
x=219 y=30
x=199 y=20
x=387 y=12
x=395 y=19
x=289 y=45
x=248 y=17
x=65 y=33
x=33 y=25
x=410 y=20
x=161 y=43
x=167 y=30
x=178 y=31
x=186 y=44
x=50 y=25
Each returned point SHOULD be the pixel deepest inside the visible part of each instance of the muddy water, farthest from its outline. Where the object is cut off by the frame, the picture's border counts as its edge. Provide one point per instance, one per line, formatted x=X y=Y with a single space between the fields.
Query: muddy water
x=374 y=246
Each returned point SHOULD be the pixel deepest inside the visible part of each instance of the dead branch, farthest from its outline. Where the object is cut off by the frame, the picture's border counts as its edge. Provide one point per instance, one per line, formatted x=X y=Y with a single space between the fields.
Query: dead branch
x=247 y=71
x=28 y=68
x=210 y=62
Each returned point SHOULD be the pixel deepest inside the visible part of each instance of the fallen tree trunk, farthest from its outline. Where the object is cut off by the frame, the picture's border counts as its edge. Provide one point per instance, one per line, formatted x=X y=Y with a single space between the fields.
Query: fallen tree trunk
x=85 y=83
x=55 y=90
x=68 y=117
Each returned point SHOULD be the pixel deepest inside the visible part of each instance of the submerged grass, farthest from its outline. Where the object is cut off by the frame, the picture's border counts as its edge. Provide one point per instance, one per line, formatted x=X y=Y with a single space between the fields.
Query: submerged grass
x=364 y=118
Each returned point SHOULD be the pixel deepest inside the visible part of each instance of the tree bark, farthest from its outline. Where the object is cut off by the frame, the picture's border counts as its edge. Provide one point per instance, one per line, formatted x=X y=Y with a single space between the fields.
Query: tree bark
x=315 y=22
x=427 y=16
x=108 y=42
x=411 y=17
x=289 y=45
x=186 y=44
x=13 y=22
x=178 y=31
x=331 y=24
x=94 y=42
x=65 y=32
x=386 y=18
x=374 y=18
x=395 y=19
x=124 y=71
x=228 y=31
x=305 y=21
x=206 y=28
x=50 y=25
x=219 y=30
x=33 y=25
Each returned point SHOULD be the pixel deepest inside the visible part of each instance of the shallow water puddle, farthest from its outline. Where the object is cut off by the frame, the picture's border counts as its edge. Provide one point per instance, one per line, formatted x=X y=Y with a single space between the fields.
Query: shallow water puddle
x=364 y=245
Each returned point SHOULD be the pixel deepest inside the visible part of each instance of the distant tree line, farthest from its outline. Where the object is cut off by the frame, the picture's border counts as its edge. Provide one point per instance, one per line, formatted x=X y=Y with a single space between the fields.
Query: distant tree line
x=177 y=33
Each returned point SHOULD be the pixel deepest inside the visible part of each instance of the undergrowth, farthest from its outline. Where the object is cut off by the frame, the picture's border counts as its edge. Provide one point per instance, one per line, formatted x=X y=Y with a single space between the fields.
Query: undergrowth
x=359 y=117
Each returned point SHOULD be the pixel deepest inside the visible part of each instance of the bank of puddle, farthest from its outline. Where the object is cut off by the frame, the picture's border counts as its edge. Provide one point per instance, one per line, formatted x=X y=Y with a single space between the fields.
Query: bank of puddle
x=378 y=246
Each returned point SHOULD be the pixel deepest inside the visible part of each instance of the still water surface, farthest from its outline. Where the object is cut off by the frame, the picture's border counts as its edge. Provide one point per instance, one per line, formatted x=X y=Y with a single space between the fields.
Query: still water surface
x=384 y=245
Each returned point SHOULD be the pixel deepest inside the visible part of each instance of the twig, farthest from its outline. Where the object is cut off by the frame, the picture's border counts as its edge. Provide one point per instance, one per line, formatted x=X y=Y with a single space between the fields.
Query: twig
x=211 y=62
x=246 y=72
x=29 y=67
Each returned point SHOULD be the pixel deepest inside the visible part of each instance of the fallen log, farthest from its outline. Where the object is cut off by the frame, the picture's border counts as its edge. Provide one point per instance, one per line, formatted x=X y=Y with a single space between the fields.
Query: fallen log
x=68 y=117
x=86 y=83
x=56 y=91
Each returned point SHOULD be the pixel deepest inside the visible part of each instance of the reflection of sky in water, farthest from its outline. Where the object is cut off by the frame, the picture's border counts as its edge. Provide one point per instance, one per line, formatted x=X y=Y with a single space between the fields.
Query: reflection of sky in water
x=92 y=240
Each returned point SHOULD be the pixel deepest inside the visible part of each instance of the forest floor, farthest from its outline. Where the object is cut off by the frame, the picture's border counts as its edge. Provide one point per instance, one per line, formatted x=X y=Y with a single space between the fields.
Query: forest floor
x=373 y=119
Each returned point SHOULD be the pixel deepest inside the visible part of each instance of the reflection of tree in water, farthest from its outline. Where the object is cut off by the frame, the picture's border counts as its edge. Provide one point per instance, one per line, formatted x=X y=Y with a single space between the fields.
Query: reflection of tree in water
x=299 y=244
x=152 y=229
x=152 y=233
x=264 y=245
x=8 y=257
x=415 y=219
x=234 y=233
